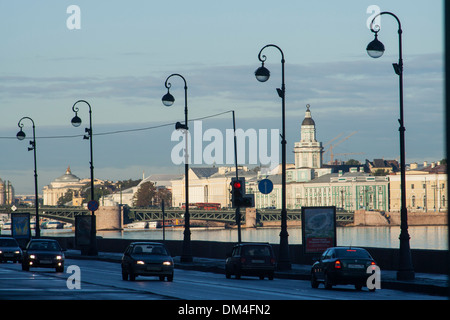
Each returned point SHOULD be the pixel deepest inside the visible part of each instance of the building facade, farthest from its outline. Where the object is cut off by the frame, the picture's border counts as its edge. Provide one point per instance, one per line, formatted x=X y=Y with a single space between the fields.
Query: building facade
x=6 y=193
x=60 y=186
x=426 y=189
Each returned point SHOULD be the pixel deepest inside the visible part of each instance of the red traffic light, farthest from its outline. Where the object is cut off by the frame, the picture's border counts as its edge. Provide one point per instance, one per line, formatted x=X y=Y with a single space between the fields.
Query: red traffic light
x=237 y=185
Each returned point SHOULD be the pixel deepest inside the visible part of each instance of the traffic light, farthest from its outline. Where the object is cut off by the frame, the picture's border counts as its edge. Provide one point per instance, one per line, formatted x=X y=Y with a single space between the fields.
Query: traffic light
x=238 y=196
x=237 y=191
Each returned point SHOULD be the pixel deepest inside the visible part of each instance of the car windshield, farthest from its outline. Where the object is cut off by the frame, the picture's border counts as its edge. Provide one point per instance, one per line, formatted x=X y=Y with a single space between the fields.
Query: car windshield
x=44 y=246
x=256 y=251
x=149 y=249
x=8 y=243
x=352 y=253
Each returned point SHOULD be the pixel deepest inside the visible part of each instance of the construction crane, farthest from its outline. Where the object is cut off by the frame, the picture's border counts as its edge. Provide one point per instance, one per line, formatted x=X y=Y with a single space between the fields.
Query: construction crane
x=336 y=144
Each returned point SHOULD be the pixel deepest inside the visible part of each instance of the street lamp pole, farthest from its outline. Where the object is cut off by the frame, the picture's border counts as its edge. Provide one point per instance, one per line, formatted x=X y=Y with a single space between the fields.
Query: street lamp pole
x=76 y=122
x=21 y=135
x=168 y=100
x=376 y=49
x=262 y=74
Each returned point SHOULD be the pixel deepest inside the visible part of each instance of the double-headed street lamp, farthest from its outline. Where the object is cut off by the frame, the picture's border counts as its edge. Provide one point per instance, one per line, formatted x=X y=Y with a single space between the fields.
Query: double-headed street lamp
x=262 y=74
x=375 y=49
x=168 y=100
x=21 y=135
x=76 y=122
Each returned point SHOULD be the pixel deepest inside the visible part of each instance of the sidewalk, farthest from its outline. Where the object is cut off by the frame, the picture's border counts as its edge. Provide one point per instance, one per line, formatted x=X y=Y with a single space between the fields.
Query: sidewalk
x=436 y=284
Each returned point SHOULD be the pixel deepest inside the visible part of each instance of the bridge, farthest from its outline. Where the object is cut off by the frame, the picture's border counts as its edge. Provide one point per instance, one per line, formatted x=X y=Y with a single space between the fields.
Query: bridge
x=67 y=214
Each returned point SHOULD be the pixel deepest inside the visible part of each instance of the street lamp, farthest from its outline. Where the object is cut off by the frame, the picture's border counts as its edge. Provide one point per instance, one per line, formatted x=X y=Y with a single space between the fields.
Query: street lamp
x=76 y=122
x=21 y=135
x=262 y=74
x=375 y=49
x=168 y=100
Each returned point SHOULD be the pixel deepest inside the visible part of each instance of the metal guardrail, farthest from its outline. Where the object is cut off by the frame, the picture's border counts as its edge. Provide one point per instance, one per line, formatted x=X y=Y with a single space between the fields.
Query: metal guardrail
x=67 y=214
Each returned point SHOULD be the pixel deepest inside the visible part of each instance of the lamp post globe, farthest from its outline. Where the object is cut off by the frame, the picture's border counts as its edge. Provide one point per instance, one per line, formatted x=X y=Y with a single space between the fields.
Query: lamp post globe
x=20 y=135
x=375 y=49
x=76 y=121
x=168 y=99
x=262 y=74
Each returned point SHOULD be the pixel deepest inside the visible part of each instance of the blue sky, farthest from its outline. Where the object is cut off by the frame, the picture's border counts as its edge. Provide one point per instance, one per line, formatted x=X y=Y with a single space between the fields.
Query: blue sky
x=124 y=51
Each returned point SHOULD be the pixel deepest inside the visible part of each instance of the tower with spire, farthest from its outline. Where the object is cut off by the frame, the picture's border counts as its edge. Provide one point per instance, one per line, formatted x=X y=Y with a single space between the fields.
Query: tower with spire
x=308 y=152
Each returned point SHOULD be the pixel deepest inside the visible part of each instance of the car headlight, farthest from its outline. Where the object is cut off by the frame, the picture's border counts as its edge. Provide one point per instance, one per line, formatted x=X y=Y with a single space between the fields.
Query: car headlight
x=140 y=262
x=32 y=256
x=16 y=252
x=59 y=257
x=167 y=263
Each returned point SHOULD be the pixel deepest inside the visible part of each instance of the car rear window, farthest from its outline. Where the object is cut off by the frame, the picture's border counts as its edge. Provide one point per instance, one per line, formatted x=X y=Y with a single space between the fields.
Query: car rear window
x=352 y=253
x=256 y=251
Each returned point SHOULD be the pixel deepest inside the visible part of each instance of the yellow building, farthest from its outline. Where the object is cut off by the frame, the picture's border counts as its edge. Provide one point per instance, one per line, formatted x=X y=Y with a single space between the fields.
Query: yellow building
x=426 y=189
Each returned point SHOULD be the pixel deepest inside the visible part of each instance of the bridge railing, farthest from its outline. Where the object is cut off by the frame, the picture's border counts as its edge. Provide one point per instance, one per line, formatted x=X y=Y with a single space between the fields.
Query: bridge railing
x=67 y=214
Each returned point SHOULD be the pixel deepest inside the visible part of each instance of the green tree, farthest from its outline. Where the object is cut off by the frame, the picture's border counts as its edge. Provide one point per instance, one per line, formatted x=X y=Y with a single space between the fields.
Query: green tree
x=163 y=194
x=145 y=195
x=353 y=162
x=67 y=197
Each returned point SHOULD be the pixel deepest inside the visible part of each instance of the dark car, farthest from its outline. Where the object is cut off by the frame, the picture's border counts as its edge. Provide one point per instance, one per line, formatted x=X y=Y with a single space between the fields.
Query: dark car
x=43 y=253
x=10 y=250
x=251 y=259
x=147 y=259
x=342 y=265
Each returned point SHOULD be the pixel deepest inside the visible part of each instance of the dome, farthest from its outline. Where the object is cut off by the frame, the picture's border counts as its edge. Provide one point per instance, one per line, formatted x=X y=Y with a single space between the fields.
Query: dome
x=67 y=177
x=308 y=121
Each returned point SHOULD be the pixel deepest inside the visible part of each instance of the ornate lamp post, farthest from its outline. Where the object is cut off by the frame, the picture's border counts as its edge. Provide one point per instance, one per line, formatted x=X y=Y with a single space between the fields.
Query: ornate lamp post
x=76 y=122
x=168 y=100
x=375 y=49
x=21 y=135
x=262 y=74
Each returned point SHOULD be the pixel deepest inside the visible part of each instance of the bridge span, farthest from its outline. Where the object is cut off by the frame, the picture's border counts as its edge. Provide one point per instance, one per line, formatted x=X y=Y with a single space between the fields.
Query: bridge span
x=67 y=214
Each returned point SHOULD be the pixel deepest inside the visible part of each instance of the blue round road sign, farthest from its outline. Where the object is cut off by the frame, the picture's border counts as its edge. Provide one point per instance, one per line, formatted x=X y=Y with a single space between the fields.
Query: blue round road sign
x=265 y=186
x=92 y=205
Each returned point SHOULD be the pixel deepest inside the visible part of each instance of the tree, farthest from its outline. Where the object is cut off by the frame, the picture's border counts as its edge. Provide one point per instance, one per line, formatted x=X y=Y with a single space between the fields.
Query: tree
x=67 y=197
x=353 y=162
x=145 y=195
x=163 y=194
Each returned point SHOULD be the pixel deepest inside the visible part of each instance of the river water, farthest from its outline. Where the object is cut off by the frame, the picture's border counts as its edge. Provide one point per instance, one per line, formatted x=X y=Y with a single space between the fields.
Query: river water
x=422 y=237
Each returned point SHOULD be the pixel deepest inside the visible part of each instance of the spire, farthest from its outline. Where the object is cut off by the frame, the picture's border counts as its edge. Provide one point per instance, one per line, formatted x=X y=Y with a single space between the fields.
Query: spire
x=68 y=170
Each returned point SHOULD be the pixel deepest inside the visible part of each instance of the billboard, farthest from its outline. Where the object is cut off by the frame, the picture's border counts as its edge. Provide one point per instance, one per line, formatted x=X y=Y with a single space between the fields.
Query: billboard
x=20 y=226
x=83 y=230
x=318 y=228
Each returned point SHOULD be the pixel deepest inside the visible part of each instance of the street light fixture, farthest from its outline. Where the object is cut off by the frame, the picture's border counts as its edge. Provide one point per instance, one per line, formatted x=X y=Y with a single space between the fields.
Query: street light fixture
x=21 y=135
x=262 y=74
x=376 y=49
x=76 y=122
x=168 y=100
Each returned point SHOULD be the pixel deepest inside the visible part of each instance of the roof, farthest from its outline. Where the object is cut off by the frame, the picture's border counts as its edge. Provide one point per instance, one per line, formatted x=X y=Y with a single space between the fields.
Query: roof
x=204 y=172
x=67 y=177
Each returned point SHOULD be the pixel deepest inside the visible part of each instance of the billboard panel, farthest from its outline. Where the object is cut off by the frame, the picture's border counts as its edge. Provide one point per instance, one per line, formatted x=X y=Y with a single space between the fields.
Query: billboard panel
x=318 y=228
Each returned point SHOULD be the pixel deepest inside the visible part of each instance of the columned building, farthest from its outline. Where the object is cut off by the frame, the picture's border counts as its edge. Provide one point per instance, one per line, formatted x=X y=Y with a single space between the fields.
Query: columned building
x=309 y=183
x=58 y=187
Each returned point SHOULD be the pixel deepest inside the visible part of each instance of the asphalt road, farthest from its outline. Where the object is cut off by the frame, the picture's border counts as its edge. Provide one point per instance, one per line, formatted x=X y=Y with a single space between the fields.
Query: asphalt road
x=100 y=280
